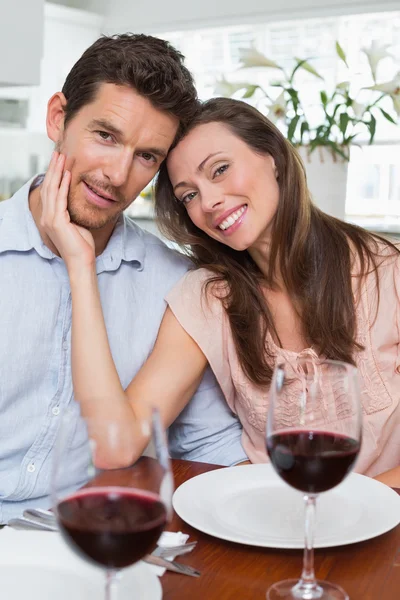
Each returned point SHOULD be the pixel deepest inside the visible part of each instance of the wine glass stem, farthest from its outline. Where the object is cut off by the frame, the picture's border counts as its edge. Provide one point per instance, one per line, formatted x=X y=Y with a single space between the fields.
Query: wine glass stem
x=111 y=584
x=308 y=575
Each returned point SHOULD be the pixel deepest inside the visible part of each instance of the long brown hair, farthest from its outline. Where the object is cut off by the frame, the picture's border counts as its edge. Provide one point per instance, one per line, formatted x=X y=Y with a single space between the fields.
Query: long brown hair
x=310 y=249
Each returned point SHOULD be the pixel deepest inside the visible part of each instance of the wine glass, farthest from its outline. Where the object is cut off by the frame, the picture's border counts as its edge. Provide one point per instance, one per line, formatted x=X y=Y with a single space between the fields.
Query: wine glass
x=314 y=430
x=111 y=502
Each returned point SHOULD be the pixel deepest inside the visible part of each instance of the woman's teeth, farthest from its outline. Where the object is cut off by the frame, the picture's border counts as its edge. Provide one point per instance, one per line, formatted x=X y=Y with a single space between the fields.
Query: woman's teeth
x=232 y=218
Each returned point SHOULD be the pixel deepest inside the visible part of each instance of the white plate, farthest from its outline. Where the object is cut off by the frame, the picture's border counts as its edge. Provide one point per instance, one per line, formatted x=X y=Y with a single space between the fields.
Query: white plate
x=250 y=504
x=39 y=565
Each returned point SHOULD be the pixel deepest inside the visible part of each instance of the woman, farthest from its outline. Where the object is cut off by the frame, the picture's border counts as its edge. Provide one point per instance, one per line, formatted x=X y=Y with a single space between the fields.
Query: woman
x=277 y=278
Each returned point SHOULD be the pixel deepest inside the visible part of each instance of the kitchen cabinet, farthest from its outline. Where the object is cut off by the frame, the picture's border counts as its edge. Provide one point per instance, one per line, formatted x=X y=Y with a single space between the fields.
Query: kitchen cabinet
x=24 y=147
x=21 y=41
x=67 y=32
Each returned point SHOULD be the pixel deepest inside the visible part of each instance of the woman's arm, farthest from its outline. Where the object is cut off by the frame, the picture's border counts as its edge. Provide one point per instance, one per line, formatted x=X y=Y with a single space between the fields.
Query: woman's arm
x=167 y=380
x=391 y=478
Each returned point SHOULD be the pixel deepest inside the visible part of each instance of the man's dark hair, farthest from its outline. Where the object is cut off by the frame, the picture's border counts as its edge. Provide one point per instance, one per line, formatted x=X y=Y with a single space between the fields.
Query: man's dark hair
x=147 y=64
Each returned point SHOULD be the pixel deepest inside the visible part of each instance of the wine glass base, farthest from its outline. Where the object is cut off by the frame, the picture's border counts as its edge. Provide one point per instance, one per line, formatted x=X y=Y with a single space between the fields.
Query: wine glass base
x=292 y=589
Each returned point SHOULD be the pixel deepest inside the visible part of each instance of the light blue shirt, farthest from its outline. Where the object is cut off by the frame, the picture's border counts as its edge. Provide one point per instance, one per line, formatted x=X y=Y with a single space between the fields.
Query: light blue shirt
x=135 y=272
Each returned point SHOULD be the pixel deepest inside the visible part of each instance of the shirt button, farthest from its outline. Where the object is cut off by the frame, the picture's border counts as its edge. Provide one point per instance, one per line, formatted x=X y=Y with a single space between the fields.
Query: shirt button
x=55 y=410
x=65 y=345
x=31 y=468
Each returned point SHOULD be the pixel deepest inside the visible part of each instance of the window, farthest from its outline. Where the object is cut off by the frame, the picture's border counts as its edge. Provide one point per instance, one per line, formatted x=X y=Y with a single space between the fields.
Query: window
x=374 y=171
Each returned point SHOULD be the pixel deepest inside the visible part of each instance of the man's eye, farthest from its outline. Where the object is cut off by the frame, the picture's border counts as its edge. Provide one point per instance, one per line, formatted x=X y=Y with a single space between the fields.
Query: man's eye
x=104 y=135
x=148 y=157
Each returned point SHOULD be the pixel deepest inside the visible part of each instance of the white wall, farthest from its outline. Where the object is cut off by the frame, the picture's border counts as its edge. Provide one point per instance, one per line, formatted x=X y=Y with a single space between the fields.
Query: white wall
x=21 y=28
x=169 y=15
x=96 y=6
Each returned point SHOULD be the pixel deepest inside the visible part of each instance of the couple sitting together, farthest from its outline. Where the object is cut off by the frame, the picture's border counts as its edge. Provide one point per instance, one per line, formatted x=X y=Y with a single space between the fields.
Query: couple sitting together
x=102 y=316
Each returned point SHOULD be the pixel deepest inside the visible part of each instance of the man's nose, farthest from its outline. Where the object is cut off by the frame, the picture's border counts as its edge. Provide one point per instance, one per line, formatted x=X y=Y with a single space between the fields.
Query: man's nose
x=118 y=168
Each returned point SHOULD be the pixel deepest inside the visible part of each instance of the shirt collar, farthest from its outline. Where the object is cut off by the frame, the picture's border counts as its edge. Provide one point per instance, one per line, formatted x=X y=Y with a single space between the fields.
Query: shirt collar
x=18 y=232
x=125 y=244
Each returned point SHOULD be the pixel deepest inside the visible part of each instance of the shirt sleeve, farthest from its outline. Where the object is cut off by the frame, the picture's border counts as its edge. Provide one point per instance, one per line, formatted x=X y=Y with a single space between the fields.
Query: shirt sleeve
x=207 y=430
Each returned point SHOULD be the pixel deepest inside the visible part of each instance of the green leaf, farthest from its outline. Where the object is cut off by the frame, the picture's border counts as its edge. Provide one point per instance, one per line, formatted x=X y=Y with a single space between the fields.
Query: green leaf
x=335 y=110
x=295 y=97
x=303 y=128
x=324 y=97
x=343 y=122
x=250 y=91
x=341 y=54
x=338 y=150
x=387 y=116
x=303 y=64
x=292 y=127
x=350 y=138
x=372 y=128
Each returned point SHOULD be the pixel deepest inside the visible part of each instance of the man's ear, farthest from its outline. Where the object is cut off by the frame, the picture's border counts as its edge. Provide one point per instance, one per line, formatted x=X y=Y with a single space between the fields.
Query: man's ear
x=55 y=117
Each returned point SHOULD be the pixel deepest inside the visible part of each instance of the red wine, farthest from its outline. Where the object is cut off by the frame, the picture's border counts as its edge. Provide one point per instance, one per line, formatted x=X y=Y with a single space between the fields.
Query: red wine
x=112 y=526
x=312 y=462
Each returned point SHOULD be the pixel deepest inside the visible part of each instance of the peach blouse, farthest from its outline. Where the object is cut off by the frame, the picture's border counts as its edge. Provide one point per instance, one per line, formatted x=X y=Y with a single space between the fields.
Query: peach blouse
x=378 y=329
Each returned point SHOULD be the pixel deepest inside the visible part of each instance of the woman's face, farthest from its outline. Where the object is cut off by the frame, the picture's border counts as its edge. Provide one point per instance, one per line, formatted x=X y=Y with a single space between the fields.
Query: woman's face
x=230 y=192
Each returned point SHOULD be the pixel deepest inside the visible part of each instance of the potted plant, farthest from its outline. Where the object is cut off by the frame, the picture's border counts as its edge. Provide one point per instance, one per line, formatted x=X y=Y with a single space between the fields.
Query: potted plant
x=324 y=132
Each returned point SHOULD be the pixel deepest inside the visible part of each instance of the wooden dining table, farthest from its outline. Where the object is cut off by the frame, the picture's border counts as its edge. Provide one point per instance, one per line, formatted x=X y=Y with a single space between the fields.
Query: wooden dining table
x=368 y=570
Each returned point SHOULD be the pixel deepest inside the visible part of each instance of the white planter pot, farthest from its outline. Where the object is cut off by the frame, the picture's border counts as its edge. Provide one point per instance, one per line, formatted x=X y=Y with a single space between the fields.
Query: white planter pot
x=326 y=178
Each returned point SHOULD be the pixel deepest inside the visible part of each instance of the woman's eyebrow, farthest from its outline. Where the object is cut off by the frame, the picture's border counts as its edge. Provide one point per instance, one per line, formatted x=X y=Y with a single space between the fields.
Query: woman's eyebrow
x=199 y=168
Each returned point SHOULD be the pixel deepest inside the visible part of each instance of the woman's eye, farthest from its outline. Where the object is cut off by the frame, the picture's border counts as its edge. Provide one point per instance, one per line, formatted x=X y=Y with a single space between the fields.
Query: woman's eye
x=186 y=199
x=220 y=170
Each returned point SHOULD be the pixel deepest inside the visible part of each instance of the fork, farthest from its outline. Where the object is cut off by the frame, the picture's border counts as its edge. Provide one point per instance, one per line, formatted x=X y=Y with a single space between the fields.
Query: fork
x=48 y=519
x=45 y=521
x=171 y=565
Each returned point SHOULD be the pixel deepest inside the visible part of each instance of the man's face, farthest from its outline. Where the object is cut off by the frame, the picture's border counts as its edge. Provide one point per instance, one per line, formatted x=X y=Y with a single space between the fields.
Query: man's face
x=114 y=147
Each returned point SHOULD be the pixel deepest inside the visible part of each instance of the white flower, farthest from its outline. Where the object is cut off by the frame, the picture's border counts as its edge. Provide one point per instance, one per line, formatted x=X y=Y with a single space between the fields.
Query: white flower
x=396 y=103
x=227 y=88
x=392 y=88
x=358 y=109
x=343 y=86
x=375 y=54
x=277 y=110
x=388 y=87
x=250 y=57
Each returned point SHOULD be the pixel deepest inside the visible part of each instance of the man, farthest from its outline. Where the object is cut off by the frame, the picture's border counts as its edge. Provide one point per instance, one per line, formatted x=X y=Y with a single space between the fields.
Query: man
x=119 y=111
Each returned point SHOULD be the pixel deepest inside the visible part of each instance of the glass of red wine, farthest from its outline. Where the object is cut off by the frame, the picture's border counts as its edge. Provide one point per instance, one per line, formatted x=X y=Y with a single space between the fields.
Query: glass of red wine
x=314 y=430
x=114 y=504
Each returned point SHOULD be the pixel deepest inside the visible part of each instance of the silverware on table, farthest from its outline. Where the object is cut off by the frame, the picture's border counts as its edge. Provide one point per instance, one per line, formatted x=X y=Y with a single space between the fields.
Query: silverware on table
x=42 y=520
x=25 y=523
x=171 y=565
x=41 y=515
